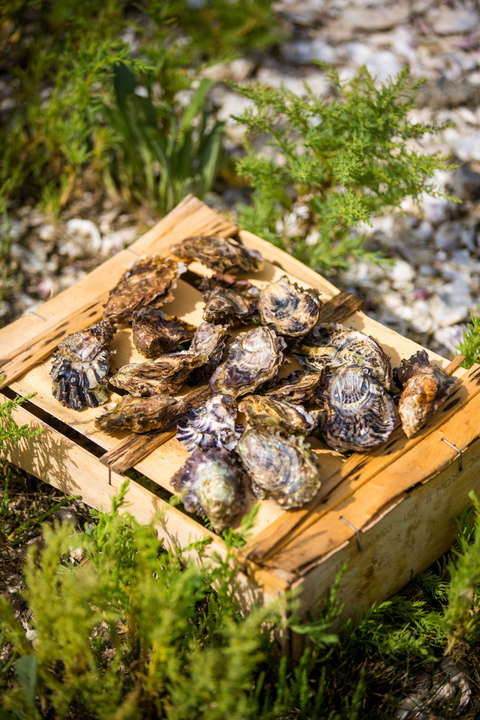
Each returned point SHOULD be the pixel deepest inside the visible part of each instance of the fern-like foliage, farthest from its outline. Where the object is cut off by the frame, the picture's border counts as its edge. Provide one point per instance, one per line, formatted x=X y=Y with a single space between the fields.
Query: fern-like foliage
x=336 y=162
x=470 y=343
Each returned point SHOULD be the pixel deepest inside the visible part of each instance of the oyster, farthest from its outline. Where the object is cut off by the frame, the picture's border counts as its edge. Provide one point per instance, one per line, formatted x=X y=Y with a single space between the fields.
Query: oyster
x=211 y=425
x=210 y=484
x=281 y=468
x=425 y=387
x=157 y=412
x=298 y=387
x=253 y=358
x=155 y=333
x=290 y=309
x=228 y=299
x=332 y=345
x=218 y=253
x=80 y=367
x=207 y=346
x=149 y=281
x=357 y=412
x=276 y=414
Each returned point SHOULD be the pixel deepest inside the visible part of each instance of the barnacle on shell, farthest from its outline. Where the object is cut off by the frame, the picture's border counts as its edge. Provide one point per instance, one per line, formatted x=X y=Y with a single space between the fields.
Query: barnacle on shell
x=80 y=366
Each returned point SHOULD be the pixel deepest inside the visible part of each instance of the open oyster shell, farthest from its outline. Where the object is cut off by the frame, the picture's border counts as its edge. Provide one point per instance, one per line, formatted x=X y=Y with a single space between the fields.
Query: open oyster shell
x=80 y=366
x=218 y=253
x=149 y=281
x=268 y=412
x=229 y=300
x=331 y=345
x=281 y=468
x=300 y=386
x=357 y=413
x=253 y=358
x=155 y=333
x=211 y=425
x=288 y=308
x=210 y=484
x=425 y=387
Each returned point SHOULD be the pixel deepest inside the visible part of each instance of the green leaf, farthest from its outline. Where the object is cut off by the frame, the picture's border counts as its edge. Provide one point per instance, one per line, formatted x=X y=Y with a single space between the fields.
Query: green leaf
x=124 y=84
x=26 y=668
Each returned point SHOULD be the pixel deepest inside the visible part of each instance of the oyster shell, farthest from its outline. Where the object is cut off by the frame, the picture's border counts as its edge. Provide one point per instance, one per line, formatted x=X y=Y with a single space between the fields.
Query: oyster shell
x=426 y=386
x=218 y=253
x=207 y=346
x=254 y=357
x=300 y=386
x=281 y=468
x=332 y=345
x=211 y=425
x=80 y=366
x=211 y=484
x=290 y=309
x=357 y=414
x=149 y=281
x=276 y=414
x=155 y=333
x=228 y=299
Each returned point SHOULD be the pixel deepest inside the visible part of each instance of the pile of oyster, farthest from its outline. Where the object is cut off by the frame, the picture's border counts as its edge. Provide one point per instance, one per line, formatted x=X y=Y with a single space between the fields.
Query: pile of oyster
x=248 y=422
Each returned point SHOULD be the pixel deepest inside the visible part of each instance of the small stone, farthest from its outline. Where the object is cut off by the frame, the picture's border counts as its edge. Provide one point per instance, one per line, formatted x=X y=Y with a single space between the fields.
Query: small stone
x=383 y=18
x=85 y=238
x=450 y=21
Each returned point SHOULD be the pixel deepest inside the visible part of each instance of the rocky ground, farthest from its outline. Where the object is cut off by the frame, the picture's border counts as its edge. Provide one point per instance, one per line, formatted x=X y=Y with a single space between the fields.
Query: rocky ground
x=433 y=285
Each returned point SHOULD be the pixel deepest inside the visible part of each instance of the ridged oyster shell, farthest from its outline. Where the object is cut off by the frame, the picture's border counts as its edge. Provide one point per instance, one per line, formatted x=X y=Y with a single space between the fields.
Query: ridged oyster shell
x=300 y=386
x=268 y=412
x=253 y=358
x=210 y=484
x=218 y=253
x=211 y=426
x=288 y=308
x=357 y=414
x=281 y=468
x=149 y=281
x=331 y=345
x=229 y=300
x=425 y=387
x=155 y=332
x=80 y=366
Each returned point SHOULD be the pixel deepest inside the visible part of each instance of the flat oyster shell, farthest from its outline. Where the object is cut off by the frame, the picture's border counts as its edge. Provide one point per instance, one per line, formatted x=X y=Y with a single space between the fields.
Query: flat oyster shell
x=281 y=468
x=156 y=333
x=218 y=253
x=254 y=357
x=208 y=345
x=300 y=386
x=211 y=425
x=288 y=308
x=426 y=386
x=357 y=414
x=211 y=484
x=229 y=300
x=276 y=414
x=149 y=281
x=332 y=345
x=80 y=366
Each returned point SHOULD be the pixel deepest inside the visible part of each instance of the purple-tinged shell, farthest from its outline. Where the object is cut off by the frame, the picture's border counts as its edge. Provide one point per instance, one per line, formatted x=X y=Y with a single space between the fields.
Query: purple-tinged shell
x=211 y=426
x=425 y=387
x=210 y=484
x=80 y=366
x=288 y=308
x=253 y=358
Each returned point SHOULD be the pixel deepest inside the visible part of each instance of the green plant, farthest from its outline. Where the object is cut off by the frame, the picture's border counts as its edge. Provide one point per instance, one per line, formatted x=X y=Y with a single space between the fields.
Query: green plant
x=162 y=152
x=336 y=163
x=470 y=342
x=10 y=431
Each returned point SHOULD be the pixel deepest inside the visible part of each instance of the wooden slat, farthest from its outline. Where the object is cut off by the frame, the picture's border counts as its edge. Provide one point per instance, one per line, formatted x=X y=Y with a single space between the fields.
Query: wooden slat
x=356 y=471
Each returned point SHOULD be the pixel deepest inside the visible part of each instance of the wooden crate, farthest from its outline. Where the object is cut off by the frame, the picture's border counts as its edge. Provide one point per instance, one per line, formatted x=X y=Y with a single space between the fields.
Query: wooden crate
x=388 y=512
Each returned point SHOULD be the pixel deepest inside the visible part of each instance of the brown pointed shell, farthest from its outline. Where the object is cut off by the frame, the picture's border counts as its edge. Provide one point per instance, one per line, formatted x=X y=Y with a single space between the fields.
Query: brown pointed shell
x=155 y=333
x=281 y=468
x=80 y=366
x=229 y=300
x=149 y=281
x=357 y=412
x=210 y=484
x=426 y=386
x=253 y=358
x=331 y=345
x=290 y=309
x=218 y=253
x=211 y=425
x=276 y=414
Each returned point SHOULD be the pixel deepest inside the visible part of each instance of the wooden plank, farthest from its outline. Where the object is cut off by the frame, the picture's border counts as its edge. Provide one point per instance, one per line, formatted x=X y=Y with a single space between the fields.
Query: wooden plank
x=355 y=472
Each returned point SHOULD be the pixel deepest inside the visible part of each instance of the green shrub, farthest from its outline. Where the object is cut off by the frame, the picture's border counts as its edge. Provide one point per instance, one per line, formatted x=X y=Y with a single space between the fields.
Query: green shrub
x=470 y=342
